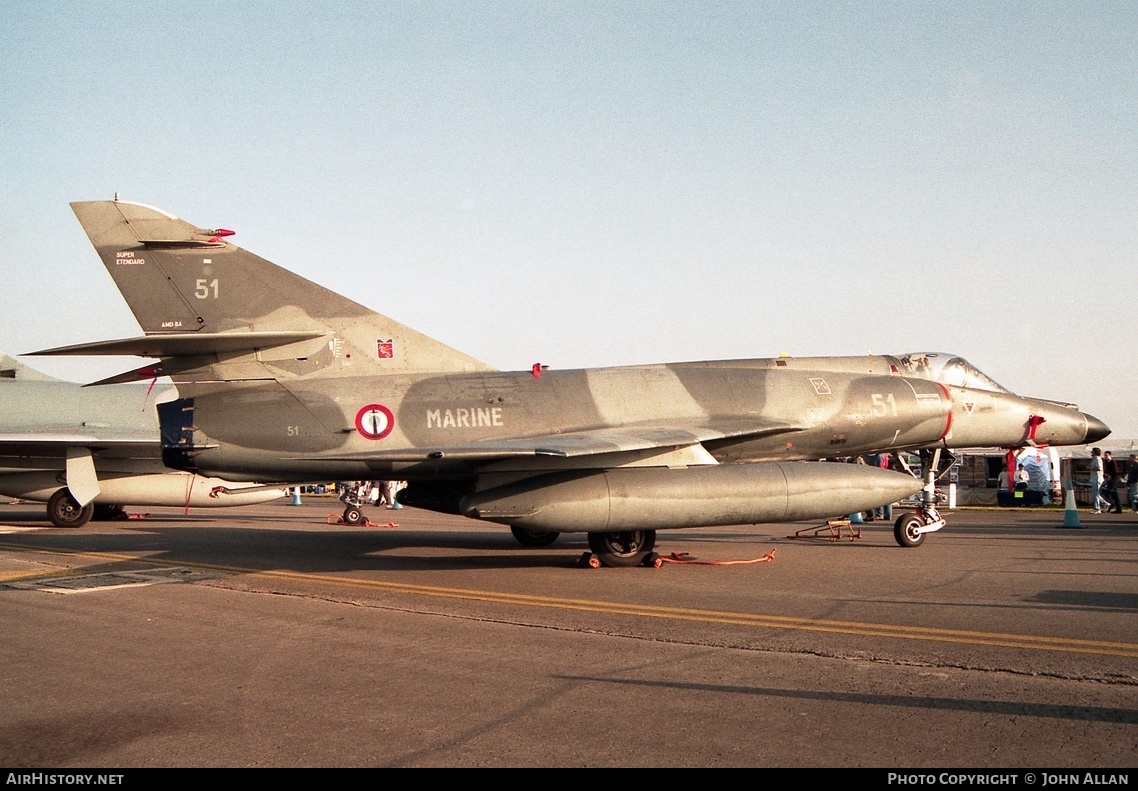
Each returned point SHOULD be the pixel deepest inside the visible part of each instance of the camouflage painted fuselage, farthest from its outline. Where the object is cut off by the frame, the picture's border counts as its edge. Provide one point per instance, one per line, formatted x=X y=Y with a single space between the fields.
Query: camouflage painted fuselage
x=799 y=413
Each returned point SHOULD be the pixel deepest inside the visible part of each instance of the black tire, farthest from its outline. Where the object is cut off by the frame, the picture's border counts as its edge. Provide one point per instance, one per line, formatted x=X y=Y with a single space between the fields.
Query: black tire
x=905 y=530
x=628 y=548
x=353 y=516
x=64 y=511
x=534 y=538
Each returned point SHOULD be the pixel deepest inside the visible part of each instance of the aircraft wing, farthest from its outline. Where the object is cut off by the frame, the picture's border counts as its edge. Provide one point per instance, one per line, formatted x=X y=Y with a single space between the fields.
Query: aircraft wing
x=575 y=444
x=181 y=344
x=54 y=442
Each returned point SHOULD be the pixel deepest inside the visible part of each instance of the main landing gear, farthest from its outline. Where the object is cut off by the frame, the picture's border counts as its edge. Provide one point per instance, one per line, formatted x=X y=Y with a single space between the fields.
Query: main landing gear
x=64 y=510
x=911 y=528
x=616 y=549
x=627 y=548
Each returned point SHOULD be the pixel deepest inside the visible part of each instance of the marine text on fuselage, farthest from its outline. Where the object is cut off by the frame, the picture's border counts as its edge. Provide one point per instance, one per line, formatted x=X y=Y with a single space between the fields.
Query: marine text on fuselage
x=465 y=417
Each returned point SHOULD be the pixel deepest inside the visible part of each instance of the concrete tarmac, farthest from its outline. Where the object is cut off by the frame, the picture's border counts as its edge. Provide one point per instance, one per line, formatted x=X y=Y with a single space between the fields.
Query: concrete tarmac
x=264 y=636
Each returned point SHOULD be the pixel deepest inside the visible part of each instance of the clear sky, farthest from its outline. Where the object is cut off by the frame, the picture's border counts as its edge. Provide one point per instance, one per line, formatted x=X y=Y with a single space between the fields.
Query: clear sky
x=606 y=183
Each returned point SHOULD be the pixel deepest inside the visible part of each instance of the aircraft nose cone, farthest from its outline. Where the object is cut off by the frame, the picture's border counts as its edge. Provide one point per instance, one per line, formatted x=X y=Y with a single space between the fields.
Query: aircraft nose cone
x=1096 y=429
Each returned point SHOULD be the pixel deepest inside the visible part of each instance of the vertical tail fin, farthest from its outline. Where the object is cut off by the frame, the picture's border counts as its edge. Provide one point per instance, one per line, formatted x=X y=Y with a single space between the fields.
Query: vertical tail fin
x=179 y=279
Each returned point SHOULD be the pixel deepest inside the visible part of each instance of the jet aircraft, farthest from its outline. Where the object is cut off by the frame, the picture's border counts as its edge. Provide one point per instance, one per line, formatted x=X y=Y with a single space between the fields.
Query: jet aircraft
x=90 y=452
x=281 y=379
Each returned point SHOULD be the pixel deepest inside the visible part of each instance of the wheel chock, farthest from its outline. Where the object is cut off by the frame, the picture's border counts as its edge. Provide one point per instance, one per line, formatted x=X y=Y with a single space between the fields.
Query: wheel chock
x=588 y=561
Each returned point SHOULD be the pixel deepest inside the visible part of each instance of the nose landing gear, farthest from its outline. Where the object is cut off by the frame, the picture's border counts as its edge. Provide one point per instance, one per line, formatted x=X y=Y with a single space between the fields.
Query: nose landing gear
x=910 y=529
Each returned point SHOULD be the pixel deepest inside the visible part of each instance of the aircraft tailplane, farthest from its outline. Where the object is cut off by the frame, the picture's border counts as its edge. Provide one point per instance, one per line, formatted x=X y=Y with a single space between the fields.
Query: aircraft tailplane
x=219 y=299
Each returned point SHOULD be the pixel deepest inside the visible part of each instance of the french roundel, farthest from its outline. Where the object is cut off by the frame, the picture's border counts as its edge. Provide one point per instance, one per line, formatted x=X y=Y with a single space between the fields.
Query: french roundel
x=375 y=421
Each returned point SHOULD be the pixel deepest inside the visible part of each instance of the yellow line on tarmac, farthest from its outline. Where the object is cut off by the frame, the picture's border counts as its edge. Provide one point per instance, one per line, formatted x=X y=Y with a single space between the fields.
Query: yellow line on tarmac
x=12 y=576
x=1022 y=641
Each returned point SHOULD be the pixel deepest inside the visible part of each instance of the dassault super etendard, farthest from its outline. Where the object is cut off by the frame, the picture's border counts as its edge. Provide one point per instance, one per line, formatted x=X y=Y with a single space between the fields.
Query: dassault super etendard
x=283 y=380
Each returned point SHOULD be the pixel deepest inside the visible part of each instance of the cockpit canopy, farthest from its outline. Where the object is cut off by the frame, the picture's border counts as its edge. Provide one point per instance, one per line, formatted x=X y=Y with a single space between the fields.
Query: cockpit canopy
x=948 y=369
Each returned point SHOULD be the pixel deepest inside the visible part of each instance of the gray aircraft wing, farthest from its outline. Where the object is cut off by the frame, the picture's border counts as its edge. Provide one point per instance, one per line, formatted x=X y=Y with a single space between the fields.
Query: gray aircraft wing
x=42 y=417
x=183 y=344
x=575 y=444
x=181 y=351
x=74 y=448
x=54 y=441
